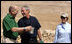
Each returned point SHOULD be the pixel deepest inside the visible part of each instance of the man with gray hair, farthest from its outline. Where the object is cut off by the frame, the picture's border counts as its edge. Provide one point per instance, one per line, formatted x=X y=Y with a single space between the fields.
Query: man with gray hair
x=10 y=27
x=28 y=20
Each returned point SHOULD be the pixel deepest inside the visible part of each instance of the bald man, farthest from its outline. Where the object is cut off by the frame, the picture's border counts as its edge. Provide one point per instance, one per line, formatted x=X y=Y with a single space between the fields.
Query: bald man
x=10 y=27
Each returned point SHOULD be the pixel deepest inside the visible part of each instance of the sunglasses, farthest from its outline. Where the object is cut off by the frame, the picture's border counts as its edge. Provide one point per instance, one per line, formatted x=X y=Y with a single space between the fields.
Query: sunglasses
x=63 y=17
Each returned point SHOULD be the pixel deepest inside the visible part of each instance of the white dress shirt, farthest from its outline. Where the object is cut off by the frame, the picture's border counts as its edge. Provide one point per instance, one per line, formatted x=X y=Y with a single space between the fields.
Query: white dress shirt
x=63 y=33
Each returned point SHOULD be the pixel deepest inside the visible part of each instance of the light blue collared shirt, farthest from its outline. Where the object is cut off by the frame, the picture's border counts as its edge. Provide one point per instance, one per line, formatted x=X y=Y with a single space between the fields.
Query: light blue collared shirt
x=63 y=33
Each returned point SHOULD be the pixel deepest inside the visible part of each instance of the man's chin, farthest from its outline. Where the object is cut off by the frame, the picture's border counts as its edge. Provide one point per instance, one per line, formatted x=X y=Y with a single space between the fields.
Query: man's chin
x=24 y=15
x=63 y=22
x=14 y=15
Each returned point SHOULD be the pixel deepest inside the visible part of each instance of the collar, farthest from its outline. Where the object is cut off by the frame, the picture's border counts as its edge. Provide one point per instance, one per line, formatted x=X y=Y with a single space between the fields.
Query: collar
x=9 y=15
x=64 y=24
x=26 y=17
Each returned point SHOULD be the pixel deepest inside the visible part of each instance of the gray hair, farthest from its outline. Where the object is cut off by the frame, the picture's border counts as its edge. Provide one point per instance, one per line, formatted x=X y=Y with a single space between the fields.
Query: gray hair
x=26 y=7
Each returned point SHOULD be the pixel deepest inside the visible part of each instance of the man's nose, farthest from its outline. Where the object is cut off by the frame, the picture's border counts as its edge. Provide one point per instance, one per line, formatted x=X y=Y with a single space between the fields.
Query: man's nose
x=22 y=12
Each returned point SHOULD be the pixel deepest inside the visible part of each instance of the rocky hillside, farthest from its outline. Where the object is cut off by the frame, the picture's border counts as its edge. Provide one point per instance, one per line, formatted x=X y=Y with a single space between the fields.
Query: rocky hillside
x=47 y=12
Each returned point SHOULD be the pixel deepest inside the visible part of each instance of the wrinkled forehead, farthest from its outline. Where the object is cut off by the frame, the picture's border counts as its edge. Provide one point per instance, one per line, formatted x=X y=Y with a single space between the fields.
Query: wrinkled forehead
x=15 y=8
x=23 y=8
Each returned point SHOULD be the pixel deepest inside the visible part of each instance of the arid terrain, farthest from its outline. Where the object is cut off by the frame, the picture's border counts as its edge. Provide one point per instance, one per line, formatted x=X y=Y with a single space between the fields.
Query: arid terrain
x=47 y=12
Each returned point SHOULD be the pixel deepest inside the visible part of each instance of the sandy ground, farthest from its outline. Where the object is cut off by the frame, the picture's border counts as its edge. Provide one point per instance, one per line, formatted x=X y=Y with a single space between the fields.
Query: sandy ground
x=47 y=12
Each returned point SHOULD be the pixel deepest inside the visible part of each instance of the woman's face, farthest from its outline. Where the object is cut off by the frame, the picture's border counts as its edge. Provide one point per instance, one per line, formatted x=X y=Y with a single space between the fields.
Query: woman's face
x=63 y=19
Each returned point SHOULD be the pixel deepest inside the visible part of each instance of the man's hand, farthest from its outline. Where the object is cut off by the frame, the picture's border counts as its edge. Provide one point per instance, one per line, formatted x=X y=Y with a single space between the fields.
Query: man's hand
x=28 y=28
x=40 y=41
x=21 y=29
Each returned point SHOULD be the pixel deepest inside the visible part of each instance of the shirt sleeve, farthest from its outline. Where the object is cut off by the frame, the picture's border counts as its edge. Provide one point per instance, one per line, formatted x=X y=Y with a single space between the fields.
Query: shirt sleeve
x=70 y=31
x=70 y=35
x=37 y=24
x=56 y=35
x=8 y=24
